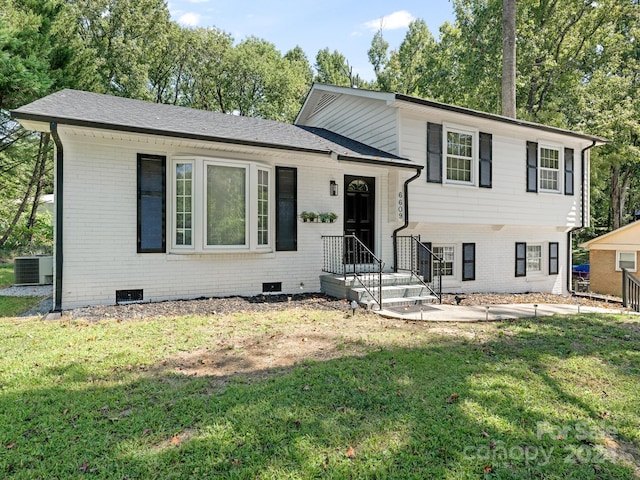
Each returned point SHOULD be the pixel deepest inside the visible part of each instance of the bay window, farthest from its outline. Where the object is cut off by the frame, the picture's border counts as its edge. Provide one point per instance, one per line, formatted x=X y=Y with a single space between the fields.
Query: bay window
x=221 y=205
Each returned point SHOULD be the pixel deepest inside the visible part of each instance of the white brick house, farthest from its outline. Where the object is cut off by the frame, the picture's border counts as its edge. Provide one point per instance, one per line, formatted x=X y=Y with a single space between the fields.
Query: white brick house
x=157 y=202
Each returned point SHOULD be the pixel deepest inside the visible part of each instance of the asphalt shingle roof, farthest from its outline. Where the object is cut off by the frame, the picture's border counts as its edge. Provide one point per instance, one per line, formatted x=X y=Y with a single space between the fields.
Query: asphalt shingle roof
x=74 y=107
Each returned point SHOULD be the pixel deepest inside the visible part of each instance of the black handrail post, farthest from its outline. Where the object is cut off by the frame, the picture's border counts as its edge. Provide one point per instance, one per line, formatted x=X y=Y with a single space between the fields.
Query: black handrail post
x=625 y=288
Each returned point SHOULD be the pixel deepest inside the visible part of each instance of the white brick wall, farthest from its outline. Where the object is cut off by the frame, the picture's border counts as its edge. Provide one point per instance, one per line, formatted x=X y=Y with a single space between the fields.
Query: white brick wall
x=100 y=224
x=495 y=257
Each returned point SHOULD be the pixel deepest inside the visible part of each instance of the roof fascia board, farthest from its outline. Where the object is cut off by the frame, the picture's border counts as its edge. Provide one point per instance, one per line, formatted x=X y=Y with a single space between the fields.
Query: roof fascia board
x=385 y=163
x=497 y=118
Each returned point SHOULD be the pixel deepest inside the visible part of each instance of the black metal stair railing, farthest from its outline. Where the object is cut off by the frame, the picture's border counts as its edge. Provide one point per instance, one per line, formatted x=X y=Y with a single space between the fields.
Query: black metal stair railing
x=630 y=291
x=417 y=258
x=347 y=255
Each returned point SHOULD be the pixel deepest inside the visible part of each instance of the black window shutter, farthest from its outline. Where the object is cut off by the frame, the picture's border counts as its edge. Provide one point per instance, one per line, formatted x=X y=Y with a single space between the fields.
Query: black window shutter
x=553 y=258
x=568 y=171
x=532 y=167
x=424 y=262
x=152 y=170
x=468 y=261
x=286 y=208
x=521 y=259
x=434 y=152
x=486 y=155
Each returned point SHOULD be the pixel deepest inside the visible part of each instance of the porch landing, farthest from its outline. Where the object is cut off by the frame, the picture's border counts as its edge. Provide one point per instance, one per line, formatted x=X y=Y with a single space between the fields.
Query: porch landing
x=398 y=289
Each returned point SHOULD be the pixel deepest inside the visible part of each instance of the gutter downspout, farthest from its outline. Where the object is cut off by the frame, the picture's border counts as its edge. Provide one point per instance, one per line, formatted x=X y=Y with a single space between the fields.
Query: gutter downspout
x=406 y=218
x=58 y=191
x=582 y=226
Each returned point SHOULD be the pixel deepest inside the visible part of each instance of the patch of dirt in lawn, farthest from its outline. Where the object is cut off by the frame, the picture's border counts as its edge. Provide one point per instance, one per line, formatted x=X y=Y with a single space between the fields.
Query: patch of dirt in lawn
x=269 y=348
x=263 y=349
x=257 y=358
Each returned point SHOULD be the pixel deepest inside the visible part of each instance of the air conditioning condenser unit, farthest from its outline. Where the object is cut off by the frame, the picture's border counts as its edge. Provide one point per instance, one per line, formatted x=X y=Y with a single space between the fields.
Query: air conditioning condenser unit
x=34 y=270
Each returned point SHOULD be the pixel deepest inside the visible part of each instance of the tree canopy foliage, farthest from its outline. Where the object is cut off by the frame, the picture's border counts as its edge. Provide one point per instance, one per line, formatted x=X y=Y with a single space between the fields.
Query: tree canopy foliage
x=577 y=64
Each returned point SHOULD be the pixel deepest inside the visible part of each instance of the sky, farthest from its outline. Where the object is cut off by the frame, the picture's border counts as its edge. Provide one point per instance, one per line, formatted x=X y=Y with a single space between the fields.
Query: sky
x=346 y=26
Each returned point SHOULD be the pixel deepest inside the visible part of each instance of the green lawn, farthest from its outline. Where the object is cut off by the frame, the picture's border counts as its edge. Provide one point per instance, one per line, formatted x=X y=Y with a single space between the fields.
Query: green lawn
x=6 y=275
x=11 y=306
x=554 y=398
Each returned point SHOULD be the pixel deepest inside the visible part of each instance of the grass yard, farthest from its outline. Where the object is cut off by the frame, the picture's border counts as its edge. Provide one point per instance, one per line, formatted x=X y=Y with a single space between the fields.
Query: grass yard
x=6 y=274
x=307 y=394
x=12 y=306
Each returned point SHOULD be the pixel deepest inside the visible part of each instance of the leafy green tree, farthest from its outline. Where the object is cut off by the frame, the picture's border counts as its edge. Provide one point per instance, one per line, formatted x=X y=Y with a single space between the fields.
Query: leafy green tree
x=122 y=34
x=333 y=68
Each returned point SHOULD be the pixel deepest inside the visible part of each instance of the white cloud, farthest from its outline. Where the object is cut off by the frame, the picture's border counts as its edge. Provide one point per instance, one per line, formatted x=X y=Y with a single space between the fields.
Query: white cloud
x=394 y=21
x=191 y=19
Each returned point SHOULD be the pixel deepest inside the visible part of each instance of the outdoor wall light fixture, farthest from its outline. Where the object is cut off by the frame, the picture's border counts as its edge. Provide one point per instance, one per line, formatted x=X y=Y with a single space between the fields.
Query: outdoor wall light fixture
x=333 y=188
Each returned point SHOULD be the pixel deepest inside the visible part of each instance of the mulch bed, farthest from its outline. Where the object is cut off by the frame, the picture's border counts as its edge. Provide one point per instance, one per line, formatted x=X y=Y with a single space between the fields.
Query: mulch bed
x=306 y=301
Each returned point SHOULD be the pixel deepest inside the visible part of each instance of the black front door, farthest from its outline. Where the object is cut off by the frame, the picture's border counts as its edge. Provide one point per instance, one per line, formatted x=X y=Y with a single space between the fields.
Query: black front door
x=359 y=208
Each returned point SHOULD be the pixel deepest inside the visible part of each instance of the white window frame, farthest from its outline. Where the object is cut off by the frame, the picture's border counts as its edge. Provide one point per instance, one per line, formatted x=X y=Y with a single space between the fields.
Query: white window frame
x=619 y=253
x=453 y=261
x=540 y=259
x=199 y=205
x=460 y=129
x=247 y=204
x=174 y=205
x=559 y=171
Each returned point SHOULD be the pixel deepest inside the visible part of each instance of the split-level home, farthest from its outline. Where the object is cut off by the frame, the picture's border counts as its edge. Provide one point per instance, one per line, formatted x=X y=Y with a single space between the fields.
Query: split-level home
x=498 y=199
x=376 y=196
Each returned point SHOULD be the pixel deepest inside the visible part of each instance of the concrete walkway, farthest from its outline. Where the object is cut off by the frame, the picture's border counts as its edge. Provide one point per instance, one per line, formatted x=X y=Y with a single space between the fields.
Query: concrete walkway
x=459 y=313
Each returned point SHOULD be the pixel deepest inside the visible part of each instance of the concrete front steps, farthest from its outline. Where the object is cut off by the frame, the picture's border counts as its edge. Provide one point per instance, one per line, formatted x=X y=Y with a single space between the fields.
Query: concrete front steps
x=398 y=289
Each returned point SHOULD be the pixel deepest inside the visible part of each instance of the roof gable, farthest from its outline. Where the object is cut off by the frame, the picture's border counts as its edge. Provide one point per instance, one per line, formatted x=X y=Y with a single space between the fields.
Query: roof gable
x=622 y=237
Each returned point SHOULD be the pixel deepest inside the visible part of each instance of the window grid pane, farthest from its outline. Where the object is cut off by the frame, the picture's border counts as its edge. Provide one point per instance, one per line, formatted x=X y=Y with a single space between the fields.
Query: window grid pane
x=263 y=207
x=184 y=195
x=549 y=168
x=459 y=156
x=446 y=253
x=534 y=258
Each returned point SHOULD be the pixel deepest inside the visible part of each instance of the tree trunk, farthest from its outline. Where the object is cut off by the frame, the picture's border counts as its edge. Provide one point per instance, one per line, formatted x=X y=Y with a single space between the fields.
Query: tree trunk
x=41 y=169
x=25 y=198
x=620 y=181
x=509 y=58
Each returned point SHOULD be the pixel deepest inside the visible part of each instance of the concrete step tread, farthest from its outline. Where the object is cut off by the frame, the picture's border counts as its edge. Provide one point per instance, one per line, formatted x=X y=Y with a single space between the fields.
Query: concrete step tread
x=421 y=298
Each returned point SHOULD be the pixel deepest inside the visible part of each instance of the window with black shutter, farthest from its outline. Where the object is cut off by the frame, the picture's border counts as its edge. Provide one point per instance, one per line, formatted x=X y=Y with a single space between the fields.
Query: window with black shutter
x=485 y=160
x=521 y=259
x=434 y=153
x=568 y=171
x=553 y=258
x=151 y=203
x=468 y=261
x=286 y=207
x=532 y=167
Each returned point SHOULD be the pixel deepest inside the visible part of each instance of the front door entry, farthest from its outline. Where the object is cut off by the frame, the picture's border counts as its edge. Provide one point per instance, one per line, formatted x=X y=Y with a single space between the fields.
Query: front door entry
x=359 y=208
